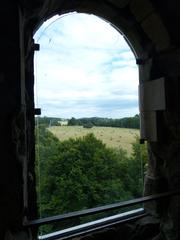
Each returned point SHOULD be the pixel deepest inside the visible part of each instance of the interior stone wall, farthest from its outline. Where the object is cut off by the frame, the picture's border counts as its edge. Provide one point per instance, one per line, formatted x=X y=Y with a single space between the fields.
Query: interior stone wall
x=11 y=165
x=164 y=168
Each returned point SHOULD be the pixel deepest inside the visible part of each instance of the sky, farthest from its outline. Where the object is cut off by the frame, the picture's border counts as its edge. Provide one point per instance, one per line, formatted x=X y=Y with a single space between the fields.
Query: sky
x=84 y=68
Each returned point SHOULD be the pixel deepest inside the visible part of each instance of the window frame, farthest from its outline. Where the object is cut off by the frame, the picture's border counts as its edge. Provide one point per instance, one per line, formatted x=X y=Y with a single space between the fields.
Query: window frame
x=101 y=223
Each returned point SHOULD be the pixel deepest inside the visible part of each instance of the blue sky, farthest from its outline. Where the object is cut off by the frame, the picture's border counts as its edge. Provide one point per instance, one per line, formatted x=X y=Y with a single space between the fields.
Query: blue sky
x=84 y=69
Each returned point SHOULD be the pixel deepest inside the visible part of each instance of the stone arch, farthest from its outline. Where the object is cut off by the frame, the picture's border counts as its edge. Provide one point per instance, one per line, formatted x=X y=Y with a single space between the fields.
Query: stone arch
x=138 y=21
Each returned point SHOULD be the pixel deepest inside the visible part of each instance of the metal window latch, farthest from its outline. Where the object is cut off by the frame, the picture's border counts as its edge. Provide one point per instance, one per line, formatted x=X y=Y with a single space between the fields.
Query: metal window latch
x=36 y=47
x=37 y=111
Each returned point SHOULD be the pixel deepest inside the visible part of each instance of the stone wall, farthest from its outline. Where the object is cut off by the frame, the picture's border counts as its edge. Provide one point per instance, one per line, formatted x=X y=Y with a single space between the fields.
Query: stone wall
x=151 y=29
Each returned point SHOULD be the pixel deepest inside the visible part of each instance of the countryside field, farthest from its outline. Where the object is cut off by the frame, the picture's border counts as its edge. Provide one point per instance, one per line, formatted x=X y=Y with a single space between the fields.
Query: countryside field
x=112 y=137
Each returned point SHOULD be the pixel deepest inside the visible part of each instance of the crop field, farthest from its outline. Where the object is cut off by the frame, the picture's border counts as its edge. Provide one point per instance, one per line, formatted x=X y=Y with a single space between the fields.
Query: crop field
x=112 y=137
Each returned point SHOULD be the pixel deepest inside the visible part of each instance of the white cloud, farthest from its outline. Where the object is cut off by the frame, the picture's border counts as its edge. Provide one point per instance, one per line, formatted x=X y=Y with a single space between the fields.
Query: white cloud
x=84 y=68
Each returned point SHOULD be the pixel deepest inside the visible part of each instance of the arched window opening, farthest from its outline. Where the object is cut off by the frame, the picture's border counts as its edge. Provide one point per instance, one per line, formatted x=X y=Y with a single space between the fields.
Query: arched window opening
x=87 y=137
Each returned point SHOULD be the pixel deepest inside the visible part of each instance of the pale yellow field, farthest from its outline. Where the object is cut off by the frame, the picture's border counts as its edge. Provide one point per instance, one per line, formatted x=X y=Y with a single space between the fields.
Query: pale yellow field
x=112 y=137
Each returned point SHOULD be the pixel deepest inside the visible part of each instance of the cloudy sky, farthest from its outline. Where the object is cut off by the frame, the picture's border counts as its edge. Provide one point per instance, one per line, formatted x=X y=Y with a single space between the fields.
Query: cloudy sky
x=84 y=69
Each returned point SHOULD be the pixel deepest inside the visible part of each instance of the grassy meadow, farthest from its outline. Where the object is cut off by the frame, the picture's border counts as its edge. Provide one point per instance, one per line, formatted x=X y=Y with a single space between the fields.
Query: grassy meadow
x=112 y=137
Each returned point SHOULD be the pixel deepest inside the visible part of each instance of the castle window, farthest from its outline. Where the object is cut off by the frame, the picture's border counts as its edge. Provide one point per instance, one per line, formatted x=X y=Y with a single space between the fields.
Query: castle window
x=87 y=138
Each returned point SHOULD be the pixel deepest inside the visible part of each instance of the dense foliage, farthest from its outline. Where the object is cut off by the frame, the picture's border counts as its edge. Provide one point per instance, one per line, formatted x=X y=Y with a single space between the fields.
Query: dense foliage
x=83 y=173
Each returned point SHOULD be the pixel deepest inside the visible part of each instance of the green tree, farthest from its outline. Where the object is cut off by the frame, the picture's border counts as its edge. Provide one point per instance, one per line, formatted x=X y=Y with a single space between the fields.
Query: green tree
x=83 y=173
x=73 y=121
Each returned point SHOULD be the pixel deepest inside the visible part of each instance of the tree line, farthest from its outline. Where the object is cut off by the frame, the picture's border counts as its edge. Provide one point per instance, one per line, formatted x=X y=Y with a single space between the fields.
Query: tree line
x=127 y=122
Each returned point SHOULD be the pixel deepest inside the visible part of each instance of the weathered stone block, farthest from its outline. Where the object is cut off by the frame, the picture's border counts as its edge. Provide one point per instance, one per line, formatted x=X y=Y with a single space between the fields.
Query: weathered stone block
x=156 y=31
x=120 y=3
x=141 y=9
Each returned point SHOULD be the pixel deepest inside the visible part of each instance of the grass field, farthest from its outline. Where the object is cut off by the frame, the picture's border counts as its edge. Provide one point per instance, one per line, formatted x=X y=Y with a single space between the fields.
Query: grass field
x=112 y=137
